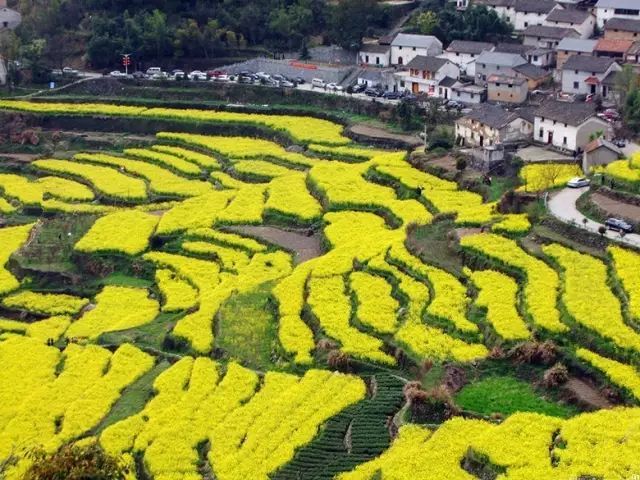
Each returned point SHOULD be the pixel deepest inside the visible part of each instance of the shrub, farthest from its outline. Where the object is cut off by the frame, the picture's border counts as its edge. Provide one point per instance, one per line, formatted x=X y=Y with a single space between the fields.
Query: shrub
x=544 y=353
x=555 y=376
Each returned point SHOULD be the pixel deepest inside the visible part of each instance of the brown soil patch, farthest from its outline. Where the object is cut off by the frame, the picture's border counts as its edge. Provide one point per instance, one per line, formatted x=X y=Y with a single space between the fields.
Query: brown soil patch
x=19 y=157
x=585 y=394
x=304 y=246
x=616 y=208
x=380 y=133
x=465 y=232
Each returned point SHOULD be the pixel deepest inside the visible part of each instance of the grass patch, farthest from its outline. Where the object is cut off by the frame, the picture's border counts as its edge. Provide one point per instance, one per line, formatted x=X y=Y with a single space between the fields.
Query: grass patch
x=507 y=395
x=247 y=328
x=500 y=185
x=122 y=280
x=150 y=335
x=431 y=244
x=133 y=398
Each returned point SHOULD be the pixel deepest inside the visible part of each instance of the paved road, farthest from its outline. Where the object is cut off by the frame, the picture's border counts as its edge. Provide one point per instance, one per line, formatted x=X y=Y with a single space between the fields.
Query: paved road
x=562 y=205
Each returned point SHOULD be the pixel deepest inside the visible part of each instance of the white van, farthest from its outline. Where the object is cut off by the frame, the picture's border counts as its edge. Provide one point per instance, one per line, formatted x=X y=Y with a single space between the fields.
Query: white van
x=318 y=82
x=154 y=71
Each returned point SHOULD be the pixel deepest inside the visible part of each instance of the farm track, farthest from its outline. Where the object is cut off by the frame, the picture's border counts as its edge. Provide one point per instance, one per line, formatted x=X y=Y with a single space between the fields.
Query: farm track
x=304 y=246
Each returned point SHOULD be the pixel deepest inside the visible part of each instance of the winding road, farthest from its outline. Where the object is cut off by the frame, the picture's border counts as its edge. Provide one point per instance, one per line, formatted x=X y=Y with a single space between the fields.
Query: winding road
x=562 y=205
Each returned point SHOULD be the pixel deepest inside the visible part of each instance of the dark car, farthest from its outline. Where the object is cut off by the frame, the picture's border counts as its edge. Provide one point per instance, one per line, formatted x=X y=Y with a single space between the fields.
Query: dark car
x=300 y=80
x=372 y=92
x=392 y=95
x=359 y=87
x=618 y=225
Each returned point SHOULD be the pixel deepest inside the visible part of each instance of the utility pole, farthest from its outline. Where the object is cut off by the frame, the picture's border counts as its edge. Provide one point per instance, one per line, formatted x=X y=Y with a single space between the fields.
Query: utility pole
x=126 y=61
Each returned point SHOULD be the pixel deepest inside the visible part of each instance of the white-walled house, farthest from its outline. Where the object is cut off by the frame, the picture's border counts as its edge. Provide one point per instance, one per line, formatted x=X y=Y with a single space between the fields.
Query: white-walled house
x=375 y=55
x=581 y=21
x=543 y=36
x=531 y=12
x=488 y=125
x=8 y=18
x=573 y=46
x=406 y=47
x=496 y=63
x=584 y=75
x=464 y=54
x=608 y=9
x=424 y=74
x=504 y=8
x=567 y=126
x=468 y=93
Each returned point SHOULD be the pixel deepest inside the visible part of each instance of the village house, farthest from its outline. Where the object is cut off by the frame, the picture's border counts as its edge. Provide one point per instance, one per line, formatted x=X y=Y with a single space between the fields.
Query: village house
x=616 y=49
x=608 y=9
x=468 y=93
x=599 y=152
x=584 y=75
x=445 y=87
x=531 y=12
x=488 y=125
x=423 y=75
x=633 y=54
x=535 y=76
x=573 y=46
x=567 y=126
x=406 y=47
x=8 y=18
x=581 y=21
x=504 y=89
x=622 y=29
x=543 y=36
x=503 y=8
x=464 y=53
x=496 y=63
x=375 y=54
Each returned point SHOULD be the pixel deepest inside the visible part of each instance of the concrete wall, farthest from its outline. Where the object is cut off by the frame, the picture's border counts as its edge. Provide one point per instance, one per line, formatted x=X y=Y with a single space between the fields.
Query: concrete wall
x=600 y=156
x=604 y=14
x=507 y=94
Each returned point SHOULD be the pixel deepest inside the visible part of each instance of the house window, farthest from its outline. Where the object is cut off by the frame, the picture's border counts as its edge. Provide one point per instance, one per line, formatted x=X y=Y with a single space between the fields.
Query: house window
x=497 y=67
x=377 y=60
x=535 y=58
x=414 y=49
x=366 y=59
x=473 y=96
x=541 y=133
x=575 y=71
x=457 y=54
x=576 y=85
x=526 y=24
x=402 y=83
x=564 y=141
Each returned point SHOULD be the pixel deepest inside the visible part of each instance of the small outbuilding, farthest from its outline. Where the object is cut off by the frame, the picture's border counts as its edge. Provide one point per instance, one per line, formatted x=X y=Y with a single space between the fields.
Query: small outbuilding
x=599 y=152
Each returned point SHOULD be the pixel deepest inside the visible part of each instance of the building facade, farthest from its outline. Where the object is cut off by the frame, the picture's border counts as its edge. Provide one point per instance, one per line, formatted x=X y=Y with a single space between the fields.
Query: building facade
x=608 y=9
x=406 y=47
x=584 y=75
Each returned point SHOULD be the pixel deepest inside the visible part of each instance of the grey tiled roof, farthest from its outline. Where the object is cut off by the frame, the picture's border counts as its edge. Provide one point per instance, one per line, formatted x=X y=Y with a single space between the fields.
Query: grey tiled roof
x=624 y=24
x=570 y=113
x=544 y=31
x=531 y=71
x=584 y=63
x=374 y=48
x=464 y=46
x=447 y=82
x=577 y=45
x=499 y=58
x=630 y=4
x=506 y=79
x=495 y=116
x=518 y=48
x=419 y=41
x=431 y=64
x=568 y=15
x=535 y=6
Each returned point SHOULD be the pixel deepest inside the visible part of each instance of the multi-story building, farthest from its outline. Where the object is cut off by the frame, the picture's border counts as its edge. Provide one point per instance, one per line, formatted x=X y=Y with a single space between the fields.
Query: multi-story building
x=8 y=18
x=496 y=63
x=531 y=12
x=581 y=21
x=464 y=54
x=573 y=46
x=504 y=89
x=488 y=125
x=424 y=74
x=616 y=49
x=584 y=75
x=374 y=54
x=543 y=36
x=622 y=29
x=608 y=9
x=567 y=126
x=406 y=47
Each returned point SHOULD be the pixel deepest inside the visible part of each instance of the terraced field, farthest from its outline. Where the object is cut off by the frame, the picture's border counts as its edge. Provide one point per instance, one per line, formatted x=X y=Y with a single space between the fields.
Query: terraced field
x=140 y=343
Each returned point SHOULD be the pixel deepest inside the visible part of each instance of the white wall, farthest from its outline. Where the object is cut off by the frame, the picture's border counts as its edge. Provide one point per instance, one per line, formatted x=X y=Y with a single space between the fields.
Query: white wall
x=409 y=53
x=576 y=137
x=604 y=14
x=523 y=20
x=569 y=77
x=585 y=29
x=375 y=59
x=466 y=62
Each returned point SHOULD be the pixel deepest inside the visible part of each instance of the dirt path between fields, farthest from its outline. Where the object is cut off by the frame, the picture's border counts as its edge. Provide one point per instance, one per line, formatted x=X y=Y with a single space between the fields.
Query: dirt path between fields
x=616 y=208
x=304 y=246
x=19 y=157
x=585 y=394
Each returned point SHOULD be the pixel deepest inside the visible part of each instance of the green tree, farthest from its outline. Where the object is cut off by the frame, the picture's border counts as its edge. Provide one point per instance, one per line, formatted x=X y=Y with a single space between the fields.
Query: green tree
x=156 y=36
x=351 y=19
x=427 y=22
x=632 y=110
x=627 y=80
x=75 y=463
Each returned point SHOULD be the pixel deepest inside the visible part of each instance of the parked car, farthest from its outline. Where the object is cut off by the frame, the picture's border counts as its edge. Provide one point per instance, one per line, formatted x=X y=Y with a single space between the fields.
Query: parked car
x=72 y=72
x=578 y=182
x=334 y=87
x=221 y=78
x=117 y=74
x=300 y=80
x=197 y=75
x=359 y=87
x=318 y=83
x=153 y=71
x=620 y=142
x=139 y=75
x=618 y=225
x=287 y=84
x=392 y=95
x=372 y=92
